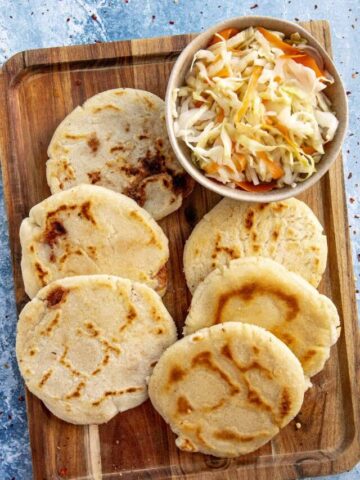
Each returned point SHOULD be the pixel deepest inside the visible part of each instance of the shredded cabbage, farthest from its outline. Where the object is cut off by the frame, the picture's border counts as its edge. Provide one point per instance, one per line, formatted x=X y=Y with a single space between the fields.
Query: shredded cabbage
x=253 y=109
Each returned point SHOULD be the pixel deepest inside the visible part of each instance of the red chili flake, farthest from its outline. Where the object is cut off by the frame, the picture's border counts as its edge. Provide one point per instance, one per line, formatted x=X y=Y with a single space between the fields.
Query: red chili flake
x=77 y=82
x=349 y=176
x=94 y=17
x=21 y=398
x=171 y=22
x=126 y=1
x=352 y=199
x=254 y=6
x=63 y=472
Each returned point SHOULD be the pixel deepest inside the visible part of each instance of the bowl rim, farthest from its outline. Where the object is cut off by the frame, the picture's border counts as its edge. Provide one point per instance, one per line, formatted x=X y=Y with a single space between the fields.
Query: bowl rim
x=277 y=194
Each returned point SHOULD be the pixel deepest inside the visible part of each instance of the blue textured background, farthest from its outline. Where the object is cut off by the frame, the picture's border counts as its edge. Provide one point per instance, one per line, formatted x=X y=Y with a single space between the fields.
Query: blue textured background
x=26 y=24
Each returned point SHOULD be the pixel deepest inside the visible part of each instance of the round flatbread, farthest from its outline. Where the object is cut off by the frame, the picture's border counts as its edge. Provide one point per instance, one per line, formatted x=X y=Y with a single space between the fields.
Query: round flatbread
x=118 y=140
x=286 y=231
x=228 y=389
x=88 y=230
x=262 y=292
x=85 y=345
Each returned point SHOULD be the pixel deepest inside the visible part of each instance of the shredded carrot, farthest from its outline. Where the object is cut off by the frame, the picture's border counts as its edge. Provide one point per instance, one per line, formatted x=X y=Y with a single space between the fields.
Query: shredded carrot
x=275 y=170
x=239 y=161
x=308 y=149
x=226 y=34
x=277 y=42
x=223 y=73
x=285 y=132
x=220 y=116
x=249 y=91
x=198 y=103
x=211 y=168
x=250 y=187
x=307 y=61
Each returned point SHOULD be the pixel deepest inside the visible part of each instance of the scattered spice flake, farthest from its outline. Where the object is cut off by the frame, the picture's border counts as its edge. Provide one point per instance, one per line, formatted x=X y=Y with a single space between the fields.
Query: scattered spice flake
x=358 y=257
x=254 y=6
x=68 y=19
x=315 y=7
x=171 y=22
x=354 y=75
x=349 y=176
x=63 y=472
x=6 y=365
x=21 y=398
x=77 y=82
x=352 y=199
x=356 y=216
x=296 y=19
x=126 y=1
x=348 y=93
x=10 y=417
x=94 y=17
x=153 y=17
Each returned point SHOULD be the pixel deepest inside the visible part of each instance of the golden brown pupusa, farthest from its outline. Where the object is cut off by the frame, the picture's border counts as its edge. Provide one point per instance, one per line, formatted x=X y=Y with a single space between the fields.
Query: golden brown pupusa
x=88 y=230
x=85 y=345
x=262 y=292
x=118 y=140
x=226 y=390
x=286 y=231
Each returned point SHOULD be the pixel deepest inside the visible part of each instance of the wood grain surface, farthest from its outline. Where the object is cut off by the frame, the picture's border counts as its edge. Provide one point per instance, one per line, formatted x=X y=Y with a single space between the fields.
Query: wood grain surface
x=37 y=89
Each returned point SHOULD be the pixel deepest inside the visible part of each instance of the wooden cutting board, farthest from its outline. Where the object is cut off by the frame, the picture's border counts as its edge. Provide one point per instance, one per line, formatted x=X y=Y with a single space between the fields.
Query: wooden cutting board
x=38 y=88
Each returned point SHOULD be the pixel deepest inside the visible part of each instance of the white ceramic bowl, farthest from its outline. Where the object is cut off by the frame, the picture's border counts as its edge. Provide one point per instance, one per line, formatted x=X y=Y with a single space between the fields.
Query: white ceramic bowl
x=335 y=92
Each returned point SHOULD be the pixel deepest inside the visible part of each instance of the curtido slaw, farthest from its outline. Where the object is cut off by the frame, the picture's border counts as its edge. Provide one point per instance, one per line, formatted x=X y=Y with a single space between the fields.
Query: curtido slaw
x=253 y=111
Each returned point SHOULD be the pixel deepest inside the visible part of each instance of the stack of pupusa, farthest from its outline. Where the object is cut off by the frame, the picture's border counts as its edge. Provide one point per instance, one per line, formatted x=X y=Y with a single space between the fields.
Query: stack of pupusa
x=256 y=331
x=93 y=259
